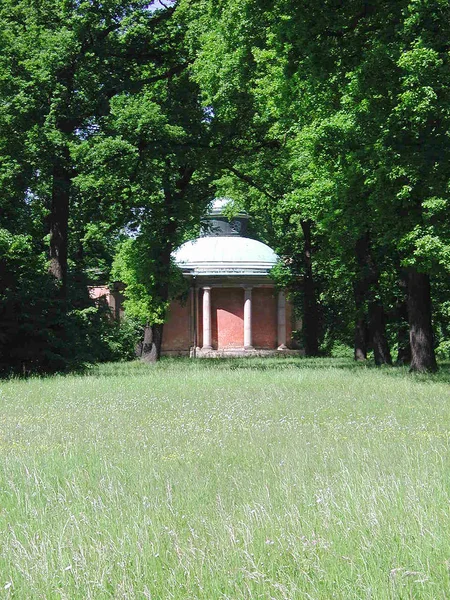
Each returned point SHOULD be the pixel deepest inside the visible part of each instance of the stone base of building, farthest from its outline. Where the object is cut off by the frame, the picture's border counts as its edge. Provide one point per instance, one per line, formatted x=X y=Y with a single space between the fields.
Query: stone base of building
x=232 y=353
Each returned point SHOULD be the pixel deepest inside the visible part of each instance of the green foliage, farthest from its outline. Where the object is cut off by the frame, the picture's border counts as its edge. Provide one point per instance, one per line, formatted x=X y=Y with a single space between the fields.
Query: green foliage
x=119 y=339
x=281 y=275
x=28 y=317
x=37 y=334
x=343 y=109
x=137 y=267
x=97 y=101
x=340 y=350
x=443 y=350
x=331 y=114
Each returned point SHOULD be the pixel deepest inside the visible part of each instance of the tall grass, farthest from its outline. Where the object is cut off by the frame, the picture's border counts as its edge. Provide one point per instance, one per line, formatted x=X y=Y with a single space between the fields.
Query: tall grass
x=235 y=479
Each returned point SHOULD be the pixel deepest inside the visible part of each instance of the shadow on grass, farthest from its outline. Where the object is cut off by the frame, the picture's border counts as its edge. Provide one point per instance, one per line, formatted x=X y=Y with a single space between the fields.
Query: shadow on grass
x=176 y=365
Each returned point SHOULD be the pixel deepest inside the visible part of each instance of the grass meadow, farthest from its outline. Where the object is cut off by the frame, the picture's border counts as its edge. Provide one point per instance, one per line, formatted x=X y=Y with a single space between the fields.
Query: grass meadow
x=233 y=479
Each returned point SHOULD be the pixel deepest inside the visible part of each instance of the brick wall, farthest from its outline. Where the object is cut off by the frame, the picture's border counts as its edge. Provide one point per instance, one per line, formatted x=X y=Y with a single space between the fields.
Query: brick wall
x=227 y=317
x=176 y=332
x=264 y=318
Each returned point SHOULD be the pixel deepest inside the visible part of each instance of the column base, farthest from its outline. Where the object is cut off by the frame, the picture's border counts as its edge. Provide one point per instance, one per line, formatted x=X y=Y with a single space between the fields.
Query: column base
x=244 y=353
x=207 y=347
x=249 y=348
x=282 y=347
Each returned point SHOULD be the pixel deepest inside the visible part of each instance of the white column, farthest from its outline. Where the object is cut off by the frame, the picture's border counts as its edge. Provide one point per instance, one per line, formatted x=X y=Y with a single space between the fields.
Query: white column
x=281 y=321
x=207 y=318
x=192 y=316
x=248 y=319
x=197 y=318
x=193 y=321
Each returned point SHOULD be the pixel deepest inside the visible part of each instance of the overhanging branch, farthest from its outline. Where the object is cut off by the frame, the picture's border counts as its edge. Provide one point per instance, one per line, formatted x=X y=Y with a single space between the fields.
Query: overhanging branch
x=250 y=181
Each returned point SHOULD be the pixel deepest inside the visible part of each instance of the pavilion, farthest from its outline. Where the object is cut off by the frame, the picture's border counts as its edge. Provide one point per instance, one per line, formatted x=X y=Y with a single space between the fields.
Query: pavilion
x=233 y=308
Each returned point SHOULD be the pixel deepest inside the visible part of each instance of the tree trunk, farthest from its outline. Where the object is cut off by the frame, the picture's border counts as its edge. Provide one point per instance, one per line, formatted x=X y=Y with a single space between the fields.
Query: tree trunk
x=403 y=343
x=371 y=320
x=65 y=125
x=360 y=350
x=423 y=358
x=150 y=350
x=59 y=219
x=310 y=308
x=360 y=292
x=377 y=328
x=151 y=347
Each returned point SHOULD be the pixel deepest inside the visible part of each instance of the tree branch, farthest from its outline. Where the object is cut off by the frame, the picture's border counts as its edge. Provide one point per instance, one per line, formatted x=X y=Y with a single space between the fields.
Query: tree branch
x=138 y=85
x=162 y=15
x=253 y=183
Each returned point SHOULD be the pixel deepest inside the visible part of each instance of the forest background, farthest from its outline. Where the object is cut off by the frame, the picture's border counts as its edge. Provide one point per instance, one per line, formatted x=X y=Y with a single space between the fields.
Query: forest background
x=121 y=120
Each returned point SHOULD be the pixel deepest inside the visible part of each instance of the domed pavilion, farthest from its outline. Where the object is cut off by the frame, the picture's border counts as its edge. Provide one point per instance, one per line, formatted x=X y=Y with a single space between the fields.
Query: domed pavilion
x=233 y=307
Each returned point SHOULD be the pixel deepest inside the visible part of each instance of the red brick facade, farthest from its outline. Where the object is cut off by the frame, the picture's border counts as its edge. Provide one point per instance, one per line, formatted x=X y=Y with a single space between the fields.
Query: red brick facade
x=264 y=318
x=227 y=317
x=177 y=330
x=227 y=321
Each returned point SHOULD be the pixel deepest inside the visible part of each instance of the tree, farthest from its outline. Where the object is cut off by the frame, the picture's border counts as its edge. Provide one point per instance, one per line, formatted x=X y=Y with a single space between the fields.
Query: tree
x=110 y=125
x=366 y=86
x=242 y=80
x=168 y=169
x=73 y=58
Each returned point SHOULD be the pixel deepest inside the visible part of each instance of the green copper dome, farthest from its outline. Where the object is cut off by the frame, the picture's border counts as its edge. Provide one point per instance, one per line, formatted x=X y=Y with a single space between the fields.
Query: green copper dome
x=223 y=248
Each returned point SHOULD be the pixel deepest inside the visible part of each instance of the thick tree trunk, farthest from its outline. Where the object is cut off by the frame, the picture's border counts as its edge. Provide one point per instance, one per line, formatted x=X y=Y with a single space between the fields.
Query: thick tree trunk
x=403 y=344
x=59 y=219
x=377 y=329
x=151 y=346
x=150 y=349
x=361 y=291
x=423 y=358
x=361 y=335
x=65 y=124
x=310 y=308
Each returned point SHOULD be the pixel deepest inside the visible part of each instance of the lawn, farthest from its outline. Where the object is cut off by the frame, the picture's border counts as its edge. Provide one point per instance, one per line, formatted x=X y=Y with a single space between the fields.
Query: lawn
x=258 y=479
